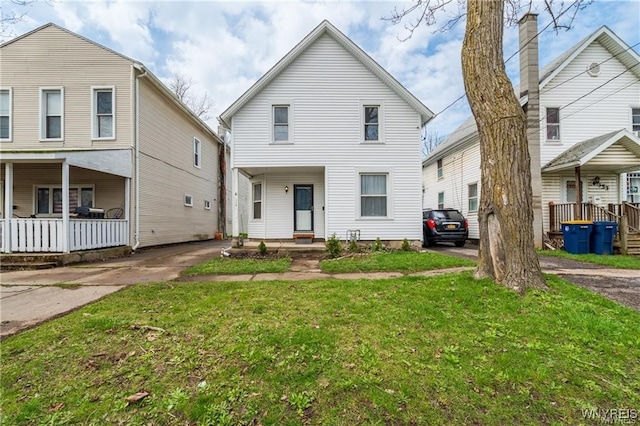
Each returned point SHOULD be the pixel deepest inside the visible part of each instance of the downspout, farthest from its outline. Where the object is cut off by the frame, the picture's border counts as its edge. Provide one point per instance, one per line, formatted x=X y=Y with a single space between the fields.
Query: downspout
x=136 y=235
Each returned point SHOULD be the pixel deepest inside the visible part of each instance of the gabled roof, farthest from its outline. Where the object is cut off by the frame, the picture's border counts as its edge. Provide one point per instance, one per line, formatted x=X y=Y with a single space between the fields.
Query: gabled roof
x=327 y=28
x=607 y=38
x=581 y=153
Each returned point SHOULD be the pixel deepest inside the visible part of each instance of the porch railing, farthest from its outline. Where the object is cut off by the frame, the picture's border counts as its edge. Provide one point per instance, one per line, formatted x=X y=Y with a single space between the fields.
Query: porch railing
x=46 y=235
x=564 y=212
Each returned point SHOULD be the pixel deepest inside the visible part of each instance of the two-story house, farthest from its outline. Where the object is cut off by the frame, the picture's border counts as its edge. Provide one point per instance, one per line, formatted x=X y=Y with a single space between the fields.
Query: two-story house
x=331 y=144
x=82 y=126
x=589 y=136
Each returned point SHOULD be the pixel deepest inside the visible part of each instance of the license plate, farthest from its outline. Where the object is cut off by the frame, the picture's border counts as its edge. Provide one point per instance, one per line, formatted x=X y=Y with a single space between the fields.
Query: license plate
x=451 y=226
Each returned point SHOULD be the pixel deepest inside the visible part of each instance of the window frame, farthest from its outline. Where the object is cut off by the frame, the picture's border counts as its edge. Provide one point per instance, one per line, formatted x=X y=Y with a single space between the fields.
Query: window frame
x=556 y=125
x=440 y=204
x=388 y=193
x=254 y=201
x=272 y=124
x=440 y=169
x=52 y=188
x=197 y=153
x=42 y=130
x=474 y=198
x=207 y=204
x=368 y=103
x=9 y=91
x=637 y=110
x=95 y=123
x=188 y=200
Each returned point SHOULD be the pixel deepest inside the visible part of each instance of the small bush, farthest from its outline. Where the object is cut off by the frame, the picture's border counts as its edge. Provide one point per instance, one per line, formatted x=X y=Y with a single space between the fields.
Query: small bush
x=262 y=248
x=405 y=245
x=377 y=245
x=353 y=247
x=334 y=246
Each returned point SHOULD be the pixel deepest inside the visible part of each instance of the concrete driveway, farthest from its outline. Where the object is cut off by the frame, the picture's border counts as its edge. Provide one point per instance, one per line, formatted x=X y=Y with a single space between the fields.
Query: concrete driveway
x=28 y=298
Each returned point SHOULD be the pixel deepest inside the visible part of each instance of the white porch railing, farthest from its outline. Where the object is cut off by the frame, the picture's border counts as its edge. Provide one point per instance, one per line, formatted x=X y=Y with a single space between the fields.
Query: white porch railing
x=46 y=235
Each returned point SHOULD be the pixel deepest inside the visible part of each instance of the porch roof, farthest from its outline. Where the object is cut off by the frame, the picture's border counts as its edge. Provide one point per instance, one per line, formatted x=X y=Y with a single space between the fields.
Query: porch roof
x=113 y=161
x=617 y=151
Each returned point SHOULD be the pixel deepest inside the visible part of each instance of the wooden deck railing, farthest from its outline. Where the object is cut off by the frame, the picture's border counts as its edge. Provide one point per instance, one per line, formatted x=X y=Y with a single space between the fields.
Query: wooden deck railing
x=564 y=212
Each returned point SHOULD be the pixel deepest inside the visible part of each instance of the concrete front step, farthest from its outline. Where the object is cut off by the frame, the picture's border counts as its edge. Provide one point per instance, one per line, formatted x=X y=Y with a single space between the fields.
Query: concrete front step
x=26 y=266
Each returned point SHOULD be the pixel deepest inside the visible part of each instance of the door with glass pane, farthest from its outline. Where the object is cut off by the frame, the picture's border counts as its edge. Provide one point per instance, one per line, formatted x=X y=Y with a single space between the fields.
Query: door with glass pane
x=303 y=208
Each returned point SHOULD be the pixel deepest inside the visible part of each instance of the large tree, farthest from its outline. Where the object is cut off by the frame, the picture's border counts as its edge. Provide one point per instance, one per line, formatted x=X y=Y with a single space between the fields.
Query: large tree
x=507 y=252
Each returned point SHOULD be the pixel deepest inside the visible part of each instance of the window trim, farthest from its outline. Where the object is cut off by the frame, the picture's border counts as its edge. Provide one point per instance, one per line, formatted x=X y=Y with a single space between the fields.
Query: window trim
x=207 y=204
x=389 y=192
x=188 y=200
x=254 y=201
x=10 y=91
x=51 y=187
x=469 y=197
x=558 y=124
x=272 y=136
x=197 y=153
x=42 y=127
x=440 y=169
x=440 y=205
x=637 y=108
x=364 y=103
x=94 y=112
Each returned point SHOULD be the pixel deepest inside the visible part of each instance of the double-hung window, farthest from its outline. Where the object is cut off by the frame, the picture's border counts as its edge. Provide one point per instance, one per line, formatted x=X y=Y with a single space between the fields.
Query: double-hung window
x=257 y=200
x=439 y=167
x=373 y=194
x=5 y=114
x=104 y=106
x=51 y=113
x=49 y=199
x=281 y=123
x=553 y=124
x=635 y=121
x=197 y=153
x=440 y=200
x=371 y=123
x=473 y=197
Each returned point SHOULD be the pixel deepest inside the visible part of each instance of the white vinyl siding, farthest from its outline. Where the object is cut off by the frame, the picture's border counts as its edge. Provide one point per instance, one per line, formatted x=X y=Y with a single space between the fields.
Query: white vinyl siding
x=197 y=153
x=103 y=107
x=51 y=113
x=6 y=104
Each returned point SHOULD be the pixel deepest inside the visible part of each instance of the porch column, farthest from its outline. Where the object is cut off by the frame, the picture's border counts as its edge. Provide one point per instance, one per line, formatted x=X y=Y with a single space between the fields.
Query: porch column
x=66 y=236
x=127 y=206
x=8 y=207
x=235 y=214
x=578 y=207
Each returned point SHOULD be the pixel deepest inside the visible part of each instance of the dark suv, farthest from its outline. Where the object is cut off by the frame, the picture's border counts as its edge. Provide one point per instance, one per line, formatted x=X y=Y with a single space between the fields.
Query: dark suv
x=444 y=225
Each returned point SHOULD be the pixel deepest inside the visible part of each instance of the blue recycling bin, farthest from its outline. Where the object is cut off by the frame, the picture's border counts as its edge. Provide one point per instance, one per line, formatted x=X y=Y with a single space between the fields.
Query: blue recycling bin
x=576 y=234
x=602 y=236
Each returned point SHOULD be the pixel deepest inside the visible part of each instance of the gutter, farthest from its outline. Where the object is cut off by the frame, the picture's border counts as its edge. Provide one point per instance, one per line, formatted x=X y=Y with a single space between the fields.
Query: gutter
x=137 y=160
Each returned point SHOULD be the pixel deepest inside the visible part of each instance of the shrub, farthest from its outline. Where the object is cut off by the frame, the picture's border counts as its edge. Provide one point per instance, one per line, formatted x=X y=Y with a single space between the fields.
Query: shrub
x=377 y=245
x=353 y=247
x=334 y=246
x=405 y=245
x=262 y=248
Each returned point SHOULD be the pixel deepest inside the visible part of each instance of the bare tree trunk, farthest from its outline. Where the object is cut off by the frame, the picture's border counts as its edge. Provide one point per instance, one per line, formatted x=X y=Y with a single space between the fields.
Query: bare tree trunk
x=507 y=253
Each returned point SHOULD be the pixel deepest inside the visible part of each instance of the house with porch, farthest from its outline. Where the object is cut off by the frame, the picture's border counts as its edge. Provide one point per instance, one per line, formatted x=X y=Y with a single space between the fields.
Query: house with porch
x=583 y=110
x=97 y=152
x=330 y=142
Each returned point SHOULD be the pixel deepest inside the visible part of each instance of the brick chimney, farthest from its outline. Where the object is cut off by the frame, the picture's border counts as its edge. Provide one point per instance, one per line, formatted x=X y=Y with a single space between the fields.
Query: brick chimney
x=530 y=86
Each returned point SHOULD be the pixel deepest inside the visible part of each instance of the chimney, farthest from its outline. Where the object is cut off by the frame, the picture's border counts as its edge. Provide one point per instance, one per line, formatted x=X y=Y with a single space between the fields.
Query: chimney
x=530 y=86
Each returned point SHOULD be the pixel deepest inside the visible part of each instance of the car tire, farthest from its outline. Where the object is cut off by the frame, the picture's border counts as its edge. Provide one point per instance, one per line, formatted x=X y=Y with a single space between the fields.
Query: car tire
x=460 y=243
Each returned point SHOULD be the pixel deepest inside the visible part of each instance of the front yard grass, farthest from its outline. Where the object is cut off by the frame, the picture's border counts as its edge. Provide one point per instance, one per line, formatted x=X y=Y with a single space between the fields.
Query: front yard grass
x=232 y=266
x=400 y=261
x=615 y=261
x=413 y=350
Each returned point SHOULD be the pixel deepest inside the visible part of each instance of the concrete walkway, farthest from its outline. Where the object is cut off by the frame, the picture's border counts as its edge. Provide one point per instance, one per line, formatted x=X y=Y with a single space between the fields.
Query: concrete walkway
x=28 y=298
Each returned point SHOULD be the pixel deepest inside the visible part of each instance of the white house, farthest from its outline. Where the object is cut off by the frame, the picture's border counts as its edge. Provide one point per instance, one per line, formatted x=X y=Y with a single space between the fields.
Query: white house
x=84 y=126
x=331 y=144
x=589 y=130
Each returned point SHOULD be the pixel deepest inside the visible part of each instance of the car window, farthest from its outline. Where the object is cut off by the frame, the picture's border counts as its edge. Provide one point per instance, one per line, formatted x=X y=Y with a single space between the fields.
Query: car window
x=446 y=215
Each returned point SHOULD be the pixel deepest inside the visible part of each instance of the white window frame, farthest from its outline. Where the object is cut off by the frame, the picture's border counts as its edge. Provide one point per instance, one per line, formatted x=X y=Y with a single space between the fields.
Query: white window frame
x=272 y=135
x=547 y=124
x=440 y=169
x=197 y=153
x=440 y=204
x=207 y=204
x=635 y=131
x=476 y=198
x=188 y=200
x=389 y=193
x=51 y=188
x=94 y=112
x=381 y=127
x=10 y=115
x=43 y=113
x=254 y=201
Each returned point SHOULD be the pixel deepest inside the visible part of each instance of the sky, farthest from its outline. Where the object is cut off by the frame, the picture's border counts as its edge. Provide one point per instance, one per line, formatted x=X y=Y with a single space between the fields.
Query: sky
x=226 y=46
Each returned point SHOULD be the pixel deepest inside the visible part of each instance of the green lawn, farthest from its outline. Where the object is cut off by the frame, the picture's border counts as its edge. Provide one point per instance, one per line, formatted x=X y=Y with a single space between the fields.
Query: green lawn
x=231 y=266
x=401 y=261
x=616 y=261
x=414 y=350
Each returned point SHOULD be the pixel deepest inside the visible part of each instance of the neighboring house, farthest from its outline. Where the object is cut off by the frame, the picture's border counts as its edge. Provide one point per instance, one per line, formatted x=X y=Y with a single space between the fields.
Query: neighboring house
x=331 y=144
x=84 y=126
x=589 y=127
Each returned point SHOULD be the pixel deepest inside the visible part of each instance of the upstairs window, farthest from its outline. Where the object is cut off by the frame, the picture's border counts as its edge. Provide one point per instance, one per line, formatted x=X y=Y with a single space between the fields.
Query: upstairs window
x=553 y=124
x=281 y=123
x=257 y=200
x=371 y=123
x=51 y=113
x=5 y=114
x=103 y=113
x=635 y=121
x=439 y=166
x=197 y=153
x=373 y=195
x=473 y=197
x=440 y=200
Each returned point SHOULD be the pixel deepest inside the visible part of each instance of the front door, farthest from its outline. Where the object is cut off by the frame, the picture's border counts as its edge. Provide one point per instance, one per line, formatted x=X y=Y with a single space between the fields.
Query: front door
x=303 y=208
